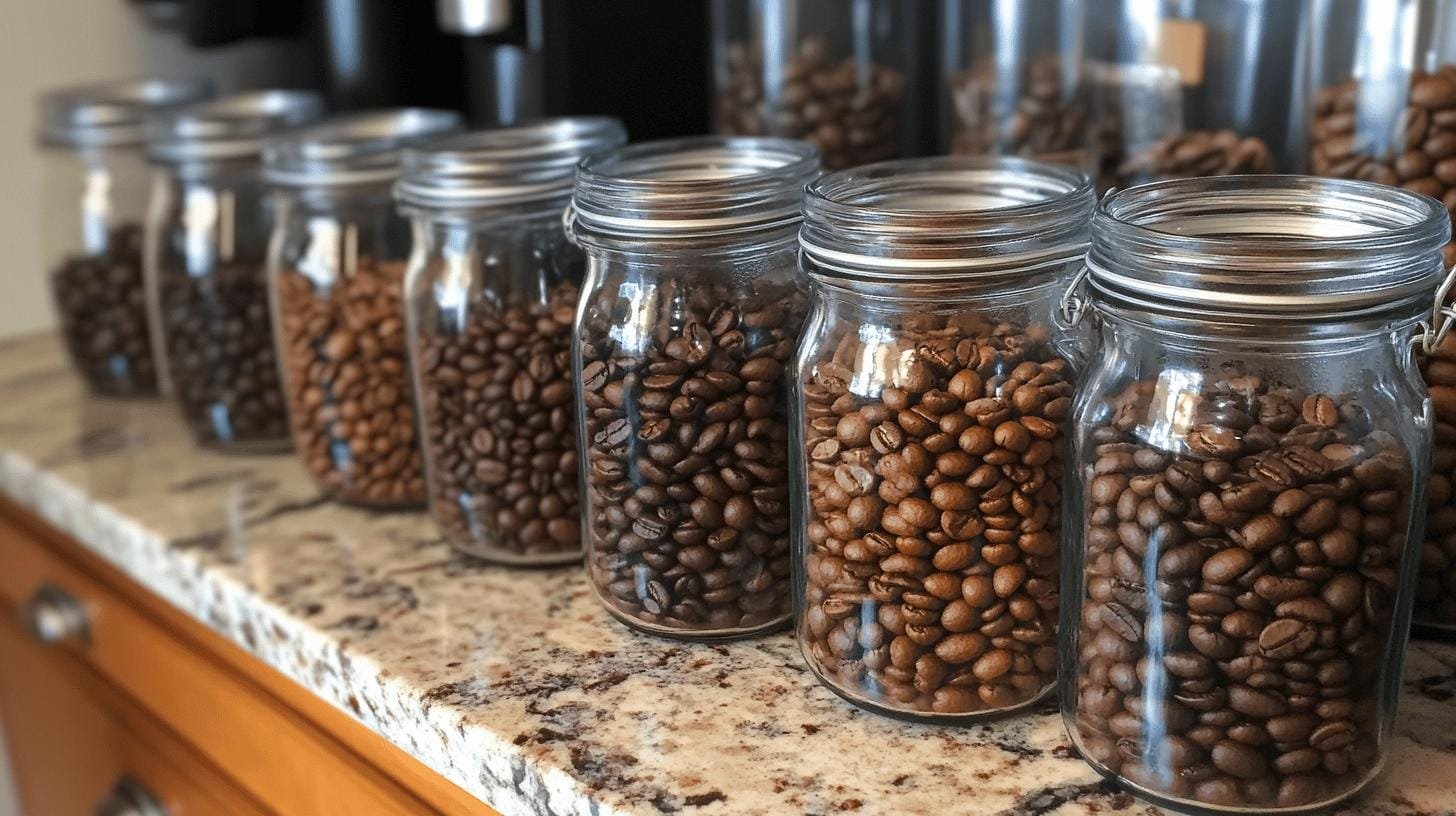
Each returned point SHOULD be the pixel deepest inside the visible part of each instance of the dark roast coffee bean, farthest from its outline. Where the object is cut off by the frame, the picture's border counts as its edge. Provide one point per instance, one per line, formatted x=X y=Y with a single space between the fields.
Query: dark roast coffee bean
x=1046 y=121
x=1436 y=585
x=345 y=371
x=1262 y=550
x=1190 y=154
x=101 y=304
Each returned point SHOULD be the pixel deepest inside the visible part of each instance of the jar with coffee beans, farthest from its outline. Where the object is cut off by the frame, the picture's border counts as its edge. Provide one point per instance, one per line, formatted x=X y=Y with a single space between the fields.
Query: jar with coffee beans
x=1193 y=90
x=92 y=210
x=1384 y=109
x=1248 y=465
x=838 y=75
x=931 y=392
x=336 y=264
x=689 y=315
x=205 y=258
x=491 y=292
x=1012 y=81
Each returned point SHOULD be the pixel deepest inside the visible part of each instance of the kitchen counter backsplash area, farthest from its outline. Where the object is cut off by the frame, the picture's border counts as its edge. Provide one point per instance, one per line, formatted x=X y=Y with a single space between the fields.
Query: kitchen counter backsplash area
x=516 y=684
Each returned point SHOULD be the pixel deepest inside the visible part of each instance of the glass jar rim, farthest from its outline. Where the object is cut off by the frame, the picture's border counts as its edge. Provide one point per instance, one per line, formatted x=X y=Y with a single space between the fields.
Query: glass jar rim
x=531 y=163
x=945 y=218
x=692 y=187
x=357 y=148
x=1253 y=247
x=230 y=127
x=112 y=114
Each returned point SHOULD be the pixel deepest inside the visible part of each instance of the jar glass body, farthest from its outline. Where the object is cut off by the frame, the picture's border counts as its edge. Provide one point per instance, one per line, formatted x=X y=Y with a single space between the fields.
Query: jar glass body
x=681 y=356
x=1239 y=589
x=206 y=260
x=491 y=301
x=835 y=74
x=336 y=263
x=95 y=205
x=928 y=455
x=1187 y=90
x=1012 y=80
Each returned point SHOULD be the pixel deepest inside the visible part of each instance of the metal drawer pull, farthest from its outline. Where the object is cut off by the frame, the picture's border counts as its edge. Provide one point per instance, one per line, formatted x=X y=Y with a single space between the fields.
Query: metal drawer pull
x=128 y=798
x=52 y=615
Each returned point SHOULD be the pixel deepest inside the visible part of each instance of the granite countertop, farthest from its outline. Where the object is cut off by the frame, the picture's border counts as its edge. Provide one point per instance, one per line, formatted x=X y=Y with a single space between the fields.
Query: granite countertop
x=515 y=684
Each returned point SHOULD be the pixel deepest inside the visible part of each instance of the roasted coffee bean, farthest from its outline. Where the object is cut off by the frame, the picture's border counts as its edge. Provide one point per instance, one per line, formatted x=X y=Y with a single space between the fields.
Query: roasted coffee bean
x=974 y=527
x=1190 y=154
x=101 y=305
x=499 y=427
x=1265 y=595
x=687 y=445
x=346 y=377
x=1046 y=120
x=1436 y=585
x=218 y=337
x=850 y=110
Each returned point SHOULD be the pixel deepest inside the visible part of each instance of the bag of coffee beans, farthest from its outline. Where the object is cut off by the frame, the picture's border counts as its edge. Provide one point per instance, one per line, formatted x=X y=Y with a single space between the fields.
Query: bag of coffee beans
x=932 y=404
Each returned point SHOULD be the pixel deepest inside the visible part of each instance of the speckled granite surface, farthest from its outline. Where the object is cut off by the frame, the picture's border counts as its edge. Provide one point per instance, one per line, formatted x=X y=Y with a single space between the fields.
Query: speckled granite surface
x=515 y=684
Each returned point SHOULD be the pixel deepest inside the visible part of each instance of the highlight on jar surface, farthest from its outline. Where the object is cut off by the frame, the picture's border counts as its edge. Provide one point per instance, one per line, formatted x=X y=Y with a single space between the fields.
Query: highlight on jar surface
x=838 y=75
x=336 y=269
x=97 y=186
x=1192 y=90
x=206 y=265
x=491 y=292
x=1249 y=451
x=932 y=390
x=690 y=313
x=1012 y=82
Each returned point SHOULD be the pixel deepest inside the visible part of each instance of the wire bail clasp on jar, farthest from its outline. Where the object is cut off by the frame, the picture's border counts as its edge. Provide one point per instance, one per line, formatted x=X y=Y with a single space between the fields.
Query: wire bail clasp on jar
x=1443 y=317
x=1072 y=306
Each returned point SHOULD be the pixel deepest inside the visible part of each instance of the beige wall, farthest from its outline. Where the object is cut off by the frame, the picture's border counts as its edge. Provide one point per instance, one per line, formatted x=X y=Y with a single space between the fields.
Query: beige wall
x=48 y=43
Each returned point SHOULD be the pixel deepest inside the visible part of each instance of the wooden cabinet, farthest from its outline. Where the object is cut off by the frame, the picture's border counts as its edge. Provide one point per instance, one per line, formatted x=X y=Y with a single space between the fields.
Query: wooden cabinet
x=132 y=688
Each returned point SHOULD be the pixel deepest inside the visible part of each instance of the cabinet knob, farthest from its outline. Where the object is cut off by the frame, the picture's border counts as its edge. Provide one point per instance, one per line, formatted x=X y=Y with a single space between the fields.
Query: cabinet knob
x=129 y=798
x=52 y=614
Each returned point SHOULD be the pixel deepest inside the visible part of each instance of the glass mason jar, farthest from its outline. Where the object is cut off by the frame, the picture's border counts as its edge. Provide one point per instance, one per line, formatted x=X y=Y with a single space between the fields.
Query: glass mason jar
x=1011 y=79
x=336 y=264
x=94 y=205
x=206 y=254
x=1182 y=90
x=1249 y=457
x=929 y=404
x=491 y=294
x=690 y=313
x=832 y=73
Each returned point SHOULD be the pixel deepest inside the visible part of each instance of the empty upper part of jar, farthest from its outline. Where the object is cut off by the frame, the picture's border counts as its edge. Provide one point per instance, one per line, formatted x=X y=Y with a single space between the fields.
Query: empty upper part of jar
x=698 y=187
x=359 y=148
x=520 y=167
x=1286 y=249
x=944 y=220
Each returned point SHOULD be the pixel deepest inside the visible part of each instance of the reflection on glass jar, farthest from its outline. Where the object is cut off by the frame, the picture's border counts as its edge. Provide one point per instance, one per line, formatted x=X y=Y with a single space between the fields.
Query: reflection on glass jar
x=337 y=263
x=1248 y=457
x=690 y=314
x=492 y=291
x=928 y=431
x=94 y=205
x=207 y=240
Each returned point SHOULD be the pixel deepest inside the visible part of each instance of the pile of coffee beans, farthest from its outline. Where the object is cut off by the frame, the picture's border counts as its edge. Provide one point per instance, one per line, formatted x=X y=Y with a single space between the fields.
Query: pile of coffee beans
x=933 y=518
x=1241 y=574
x=500 y=429
x=1419 y=153
x=850 y=110
x=345 y=368
x=219 y=342
x=1436 y=586
x=1046 y=122
x=687 y=453
x=102 y=306
x=1191 y=154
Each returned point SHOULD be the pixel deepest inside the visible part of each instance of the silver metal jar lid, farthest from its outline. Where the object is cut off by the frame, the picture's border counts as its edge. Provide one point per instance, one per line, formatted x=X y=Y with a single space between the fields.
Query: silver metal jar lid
x=1266 y=248
x=693 y=187
x=230 y=127
x=358 y=148
x=113 y=114
x=506 y=166
x=947 y=218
